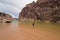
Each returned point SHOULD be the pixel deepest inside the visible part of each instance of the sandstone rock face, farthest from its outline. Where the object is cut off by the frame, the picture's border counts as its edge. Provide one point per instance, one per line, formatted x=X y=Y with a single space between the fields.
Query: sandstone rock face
x=4 y=16
x=43 y=10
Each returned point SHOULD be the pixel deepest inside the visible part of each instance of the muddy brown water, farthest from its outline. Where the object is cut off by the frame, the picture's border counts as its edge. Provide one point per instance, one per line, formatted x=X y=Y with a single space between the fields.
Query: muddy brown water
x=21 y=31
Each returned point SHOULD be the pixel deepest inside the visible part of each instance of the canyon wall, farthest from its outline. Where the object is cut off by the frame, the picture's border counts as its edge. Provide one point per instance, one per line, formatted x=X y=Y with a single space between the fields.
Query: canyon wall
x=43 y=10
x=4 y=16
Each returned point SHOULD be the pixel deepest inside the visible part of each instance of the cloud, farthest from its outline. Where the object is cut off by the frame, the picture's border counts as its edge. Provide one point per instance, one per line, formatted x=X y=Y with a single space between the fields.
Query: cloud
x=13 y=10
x=13 y=7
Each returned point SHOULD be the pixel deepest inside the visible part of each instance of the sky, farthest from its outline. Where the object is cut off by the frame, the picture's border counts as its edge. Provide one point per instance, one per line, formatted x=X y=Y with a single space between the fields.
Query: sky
x=13 y=7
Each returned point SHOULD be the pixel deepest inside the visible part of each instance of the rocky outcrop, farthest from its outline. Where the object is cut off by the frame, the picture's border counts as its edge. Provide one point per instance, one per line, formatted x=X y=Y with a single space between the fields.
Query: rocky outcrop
x=43 y=10
x=5 y=17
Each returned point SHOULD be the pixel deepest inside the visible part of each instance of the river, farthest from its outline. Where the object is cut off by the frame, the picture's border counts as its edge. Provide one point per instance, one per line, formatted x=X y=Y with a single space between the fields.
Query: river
x=25 y=31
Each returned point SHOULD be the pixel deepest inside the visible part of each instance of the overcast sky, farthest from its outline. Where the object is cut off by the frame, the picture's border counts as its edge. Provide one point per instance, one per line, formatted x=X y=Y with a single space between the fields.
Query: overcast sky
x=13 y=7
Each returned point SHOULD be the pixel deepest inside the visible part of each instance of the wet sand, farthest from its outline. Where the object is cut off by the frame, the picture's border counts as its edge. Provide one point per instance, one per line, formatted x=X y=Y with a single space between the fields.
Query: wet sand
x=18 y=31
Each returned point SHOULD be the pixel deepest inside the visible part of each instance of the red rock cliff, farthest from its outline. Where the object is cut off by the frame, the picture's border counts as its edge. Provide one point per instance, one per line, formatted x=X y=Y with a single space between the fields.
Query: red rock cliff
x=42 y=10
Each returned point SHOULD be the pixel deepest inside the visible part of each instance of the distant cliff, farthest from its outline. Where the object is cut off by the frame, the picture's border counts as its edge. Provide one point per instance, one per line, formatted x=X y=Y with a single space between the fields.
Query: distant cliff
x=4 y=16
x=43 y=10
